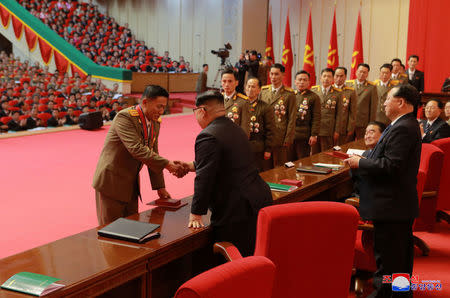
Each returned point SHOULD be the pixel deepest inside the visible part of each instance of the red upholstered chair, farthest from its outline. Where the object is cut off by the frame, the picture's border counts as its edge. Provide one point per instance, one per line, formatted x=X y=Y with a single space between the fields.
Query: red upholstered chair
x=443 y=201
x=244 y=278
x=431 y=161
x=5 y=119
x=311 y=244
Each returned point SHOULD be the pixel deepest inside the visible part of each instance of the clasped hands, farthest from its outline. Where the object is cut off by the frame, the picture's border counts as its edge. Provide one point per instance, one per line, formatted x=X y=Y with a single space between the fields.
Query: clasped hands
x=180 y=168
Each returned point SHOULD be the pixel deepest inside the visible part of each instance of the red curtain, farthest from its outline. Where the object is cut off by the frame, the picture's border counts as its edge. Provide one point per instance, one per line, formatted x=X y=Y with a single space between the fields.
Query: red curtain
x=46 y=50
x=61 y=62
x=77 y=70
x=4 y=14
x=428 y=38
x=31 y=38
x=17 y=26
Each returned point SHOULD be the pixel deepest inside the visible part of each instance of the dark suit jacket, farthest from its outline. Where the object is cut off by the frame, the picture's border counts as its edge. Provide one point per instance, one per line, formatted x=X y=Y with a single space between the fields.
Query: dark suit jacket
x=226 y=181
x=418 y=79
x=389 y=174
x=438 y=130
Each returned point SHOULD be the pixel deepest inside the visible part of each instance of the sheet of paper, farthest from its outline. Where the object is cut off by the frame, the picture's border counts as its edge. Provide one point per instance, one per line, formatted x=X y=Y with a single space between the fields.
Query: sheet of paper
x=355 y=151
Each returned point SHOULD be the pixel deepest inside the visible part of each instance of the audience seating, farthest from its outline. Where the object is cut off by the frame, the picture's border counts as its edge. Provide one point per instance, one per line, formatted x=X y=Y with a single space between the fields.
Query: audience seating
x=311 y=244
x=443 y=201
x=44 y=117
x=244 y=278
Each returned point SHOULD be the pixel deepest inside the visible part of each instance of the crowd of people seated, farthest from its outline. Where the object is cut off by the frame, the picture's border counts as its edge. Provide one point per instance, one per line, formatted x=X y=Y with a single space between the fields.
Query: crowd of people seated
x=31 y=96
x=101 y=38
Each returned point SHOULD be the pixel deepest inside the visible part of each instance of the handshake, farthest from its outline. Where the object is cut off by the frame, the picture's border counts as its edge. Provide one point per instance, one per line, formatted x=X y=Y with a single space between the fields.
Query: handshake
x=180 y=168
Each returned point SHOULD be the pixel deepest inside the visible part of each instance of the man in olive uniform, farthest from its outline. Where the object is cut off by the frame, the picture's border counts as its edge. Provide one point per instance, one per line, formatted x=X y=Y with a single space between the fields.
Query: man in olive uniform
x=282 y=100
x=307 y=124
x=132 y=141
x=384 y=85
x=367 y=99
x=263 y=70
x=234 y=101
x=259 y=126
x=200 y=87
x=347 y=118
x=397 y=73
x=330 y=108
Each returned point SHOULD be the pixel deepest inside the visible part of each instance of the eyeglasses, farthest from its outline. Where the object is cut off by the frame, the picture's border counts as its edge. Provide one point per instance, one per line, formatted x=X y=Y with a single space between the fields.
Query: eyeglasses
x=197 y=108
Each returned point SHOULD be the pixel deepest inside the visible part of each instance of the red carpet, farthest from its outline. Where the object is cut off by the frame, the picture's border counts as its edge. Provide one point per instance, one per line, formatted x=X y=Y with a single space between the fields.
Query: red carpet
x=46 y=181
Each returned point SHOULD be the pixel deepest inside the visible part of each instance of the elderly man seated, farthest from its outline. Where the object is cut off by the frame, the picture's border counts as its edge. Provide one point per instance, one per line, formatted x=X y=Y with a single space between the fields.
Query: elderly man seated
x=434 y=128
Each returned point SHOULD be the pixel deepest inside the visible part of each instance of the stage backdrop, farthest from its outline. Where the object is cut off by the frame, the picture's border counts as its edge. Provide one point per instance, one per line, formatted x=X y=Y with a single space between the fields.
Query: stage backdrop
x=428 y=37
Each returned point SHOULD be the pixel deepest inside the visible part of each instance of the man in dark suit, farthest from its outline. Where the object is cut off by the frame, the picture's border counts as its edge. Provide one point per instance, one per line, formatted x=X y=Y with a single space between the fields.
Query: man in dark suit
x=227 y=182
x=388 y=194
x=415 y=76
x=434 y=128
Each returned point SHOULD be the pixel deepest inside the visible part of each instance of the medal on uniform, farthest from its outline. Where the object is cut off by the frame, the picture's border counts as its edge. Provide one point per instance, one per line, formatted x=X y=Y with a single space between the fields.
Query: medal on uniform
x=280 y=109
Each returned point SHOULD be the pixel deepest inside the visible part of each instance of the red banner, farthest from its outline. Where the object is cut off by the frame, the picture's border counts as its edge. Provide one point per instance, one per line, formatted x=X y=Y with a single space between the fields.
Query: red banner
x=75 y=69
x=308 y=58
x=4 y=14
x=62 y=64
x=357 y=56
x=17 y=26
x=31 y=38
x=333 y=56
x=46 y=50
x=287 y=57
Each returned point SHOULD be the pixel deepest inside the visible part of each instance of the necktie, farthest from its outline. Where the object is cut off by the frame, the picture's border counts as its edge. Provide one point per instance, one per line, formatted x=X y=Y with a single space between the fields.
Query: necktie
x=379 y=140
x=427 y=127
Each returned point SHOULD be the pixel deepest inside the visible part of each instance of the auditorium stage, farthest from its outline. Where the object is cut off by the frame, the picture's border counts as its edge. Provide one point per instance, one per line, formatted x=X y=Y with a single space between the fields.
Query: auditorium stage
x=46 y=191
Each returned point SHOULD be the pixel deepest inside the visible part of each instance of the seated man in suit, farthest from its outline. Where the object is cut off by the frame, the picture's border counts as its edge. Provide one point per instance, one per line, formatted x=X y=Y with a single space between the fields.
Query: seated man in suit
x=227 y=181
x=434 y=127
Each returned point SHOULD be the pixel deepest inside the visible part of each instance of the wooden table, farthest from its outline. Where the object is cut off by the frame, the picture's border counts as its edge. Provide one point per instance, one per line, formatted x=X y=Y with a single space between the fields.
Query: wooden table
x=90 y=265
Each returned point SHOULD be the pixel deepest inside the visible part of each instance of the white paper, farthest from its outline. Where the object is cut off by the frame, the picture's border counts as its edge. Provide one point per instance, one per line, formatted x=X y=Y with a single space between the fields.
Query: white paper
x=355 y=151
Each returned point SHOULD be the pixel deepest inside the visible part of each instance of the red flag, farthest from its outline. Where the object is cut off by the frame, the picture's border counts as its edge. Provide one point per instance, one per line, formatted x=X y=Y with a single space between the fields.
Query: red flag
x=333 y=56
x=357 y=56
x=269 y=44
x=308 y=58
x=287 y=57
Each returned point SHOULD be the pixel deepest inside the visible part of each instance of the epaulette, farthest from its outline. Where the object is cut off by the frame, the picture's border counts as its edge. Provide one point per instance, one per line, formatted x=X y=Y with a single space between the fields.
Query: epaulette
x=265 y=87
x=289 y=89
x=133 y=113
x=350 y=81
x=242 y=95
x=370 y=83
x=316 y=87
x=160 y=119
x=394 y=82
x=376 y=81
x=337 y=89
x=403 y=75
x=348 y=88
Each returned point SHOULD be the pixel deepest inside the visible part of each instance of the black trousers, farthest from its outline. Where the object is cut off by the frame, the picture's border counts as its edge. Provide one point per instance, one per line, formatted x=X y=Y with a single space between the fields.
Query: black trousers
x=394 y=253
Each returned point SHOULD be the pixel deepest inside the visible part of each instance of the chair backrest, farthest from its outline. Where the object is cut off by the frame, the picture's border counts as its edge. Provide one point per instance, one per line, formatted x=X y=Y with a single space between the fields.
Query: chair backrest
x=443 y=202
x=431 y=160
x=243 y=278
x=311 y=244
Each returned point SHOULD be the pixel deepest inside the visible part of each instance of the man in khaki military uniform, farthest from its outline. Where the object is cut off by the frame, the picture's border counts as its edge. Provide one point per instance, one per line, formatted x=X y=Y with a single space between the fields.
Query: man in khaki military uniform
x=367 y=99
x=234 y=101
x=330 y=108
x=397 y=73
x=384 y=85
x=260 y=125
x=347 y=118
x=282 y=100
x=263 y=70
x=132 y=141
x=307 y=124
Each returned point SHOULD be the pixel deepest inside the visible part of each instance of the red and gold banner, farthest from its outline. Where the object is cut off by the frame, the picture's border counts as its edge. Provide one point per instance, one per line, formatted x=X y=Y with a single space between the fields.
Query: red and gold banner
x=46 y=50
x=357 y=56
x=4 y=15
x=308 y=58
x=333 y=56
x=61 y=62
x=17 y=26
x=287 y=57
x=31 y=38
x=75 y=69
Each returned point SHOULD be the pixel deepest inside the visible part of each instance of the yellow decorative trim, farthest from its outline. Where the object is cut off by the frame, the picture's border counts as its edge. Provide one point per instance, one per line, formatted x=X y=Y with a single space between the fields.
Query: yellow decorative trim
x=111 y=79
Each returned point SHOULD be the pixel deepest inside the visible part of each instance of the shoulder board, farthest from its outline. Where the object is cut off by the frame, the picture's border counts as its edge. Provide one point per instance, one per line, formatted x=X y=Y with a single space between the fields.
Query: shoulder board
x=288 y=89
x=265 y=87
x=394 y=82
x=348 y=88
x=316 y=87
x=133 y=113
x=350 y=81
x=337 y=89
x=403 y=75
x=376 y=81
x=159 y=119
x=242 y=96
x=370 y=83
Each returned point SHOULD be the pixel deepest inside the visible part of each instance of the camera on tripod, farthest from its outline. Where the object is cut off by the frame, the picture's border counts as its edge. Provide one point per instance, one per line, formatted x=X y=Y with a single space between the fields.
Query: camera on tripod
x=223 y=53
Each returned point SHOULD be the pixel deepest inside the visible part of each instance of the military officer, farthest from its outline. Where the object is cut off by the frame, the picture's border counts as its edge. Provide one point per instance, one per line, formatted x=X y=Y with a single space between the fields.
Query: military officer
x=367 y=99
x=397 y=73
x=329 y=101
x=347 y=118
x=282 y=101
x=384 y=84
x=307 y=122
x=234 y=101
x=260 y=125
x=132 y=141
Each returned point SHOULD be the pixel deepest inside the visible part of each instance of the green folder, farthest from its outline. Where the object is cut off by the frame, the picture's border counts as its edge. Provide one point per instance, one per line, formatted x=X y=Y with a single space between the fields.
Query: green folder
x=281 y=187
x=32 y=283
